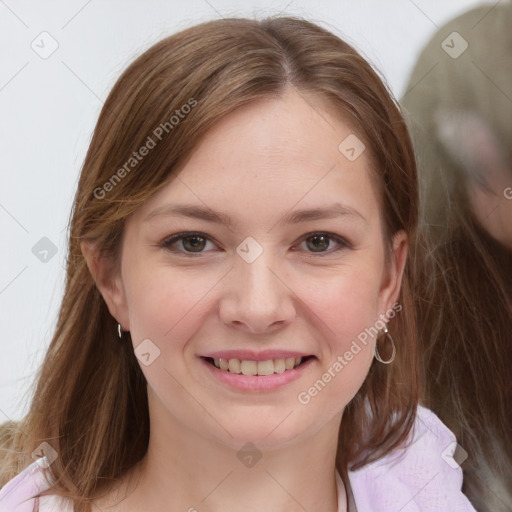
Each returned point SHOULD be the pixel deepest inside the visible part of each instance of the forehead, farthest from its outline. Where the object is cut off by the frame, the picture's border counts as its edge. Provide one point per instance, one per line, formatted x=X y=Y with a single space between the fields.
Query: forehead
x=271 y=155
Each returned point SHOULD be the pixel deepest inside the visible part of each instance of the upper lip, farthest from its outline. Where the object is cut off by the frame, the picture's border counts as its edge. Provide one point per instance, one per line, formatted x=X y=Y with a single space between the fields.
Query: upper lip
x=249 y=355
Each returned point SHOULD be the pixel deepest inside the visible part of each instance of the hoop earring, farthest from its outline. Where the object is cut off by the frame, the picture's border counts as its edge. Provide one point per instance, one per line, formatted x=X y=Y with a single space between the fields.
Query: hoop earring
x=393 y=354
x=119 y=331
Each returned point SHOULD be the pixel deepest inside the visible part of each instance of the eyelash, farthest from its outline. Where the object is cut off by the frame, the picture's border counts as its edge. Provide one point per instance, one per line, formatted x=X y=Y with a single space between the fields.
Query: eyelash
x=169 y=241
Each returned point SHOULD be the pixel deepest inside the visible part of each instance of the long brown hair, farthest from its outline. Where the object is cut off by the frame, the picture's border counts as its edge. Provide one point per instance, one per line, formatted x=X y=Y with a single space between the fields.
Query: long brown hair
x=464 y=280
x=90 y=404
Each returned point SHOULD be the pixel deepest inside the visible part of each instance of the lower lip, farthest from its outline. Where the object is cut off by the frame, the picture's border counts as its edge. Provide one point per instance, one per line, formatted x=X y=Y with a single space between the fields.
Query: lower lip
x=257 y=383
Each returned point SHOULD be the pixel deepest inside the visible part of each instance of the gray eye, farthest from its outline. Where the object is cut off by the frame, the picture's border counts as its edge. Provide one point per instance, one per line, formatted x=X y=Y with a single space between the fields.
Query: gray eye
x=319 y=243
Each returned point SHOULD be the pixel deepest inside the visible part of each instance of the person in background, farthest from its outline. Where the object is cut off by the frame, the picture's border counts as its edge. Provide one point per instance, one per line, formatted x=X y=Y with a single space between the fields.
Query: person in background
x=458 y=104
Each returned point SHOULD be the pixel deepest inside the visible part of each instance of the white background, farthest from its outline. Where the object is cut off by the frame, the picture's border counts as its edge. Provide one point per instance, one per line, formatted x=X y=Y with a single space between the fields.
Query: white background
x=48 y=109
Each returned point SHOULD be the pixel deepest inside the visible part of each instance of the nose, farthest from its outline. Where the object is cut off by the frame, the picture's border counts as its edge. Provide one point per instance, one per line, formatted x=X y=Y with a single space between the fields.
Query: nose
x=256 y=298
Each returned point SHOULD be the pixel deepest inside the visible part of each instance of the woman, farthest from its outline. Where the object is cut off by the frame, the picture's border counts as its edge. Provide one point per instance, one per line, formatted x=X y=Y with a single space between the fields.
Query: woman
x=460 y=109
x=238 y=260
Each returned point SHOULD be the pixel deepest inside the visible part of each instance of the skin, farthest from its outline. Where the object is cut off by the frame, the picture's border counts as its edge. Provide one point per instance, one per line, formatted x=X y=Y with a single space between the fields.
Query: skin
x=471 y=142
x=493 y=209
x=259 y=163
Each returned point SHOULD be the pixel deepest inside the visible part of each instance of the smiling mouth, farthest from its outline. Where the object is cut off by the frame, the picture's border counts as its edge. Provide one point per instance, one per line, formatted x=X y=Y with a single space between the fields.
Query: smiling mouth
x=259 y=368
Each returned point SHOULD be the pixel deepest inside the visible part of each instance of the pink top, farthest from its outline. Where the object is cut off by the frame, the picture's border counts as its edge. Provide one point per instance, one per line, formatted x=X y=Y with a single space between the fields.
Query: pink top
x=422 y=478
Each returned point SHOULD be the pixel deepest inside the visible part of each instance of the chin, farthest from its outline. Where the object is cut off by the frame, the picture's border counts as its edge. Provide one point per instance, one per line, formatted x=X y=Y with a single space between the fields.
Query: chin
x=265 y=435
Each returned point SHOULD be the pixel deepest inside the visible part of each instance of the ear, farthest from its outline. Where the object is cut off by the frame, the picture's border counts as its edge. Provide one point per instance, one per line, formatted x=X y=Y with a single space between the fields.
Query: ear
x=108 y=282
x=393 y=272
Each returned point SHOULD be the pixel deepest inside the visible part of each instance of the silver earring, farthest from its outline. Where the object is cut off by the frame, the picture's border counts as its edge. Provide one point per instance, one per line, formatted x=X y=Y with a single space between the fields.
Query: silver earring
x=393 y=354
x=119 y=332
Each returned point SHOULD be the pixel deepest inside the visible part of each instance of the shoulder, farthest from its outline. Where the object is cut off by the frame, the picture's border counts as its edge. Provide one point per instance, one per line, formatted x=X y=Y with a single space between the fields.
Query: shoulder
x=424 y=476
x=17 y=495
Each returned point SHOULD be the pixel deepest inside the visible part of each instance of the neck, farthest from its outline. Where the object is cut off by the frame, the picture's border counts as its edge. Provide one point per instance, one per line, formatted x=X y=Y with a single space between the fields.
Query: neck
x=185 y=471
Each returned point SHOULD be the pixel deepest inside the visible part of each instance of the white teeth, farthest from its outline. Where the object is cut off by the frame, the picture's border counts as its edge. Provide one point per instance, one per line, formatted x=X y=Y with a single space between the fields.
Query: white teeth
x=249 y=367
x=268 y=367
x=279 y=365
x=234 y=366
x=289 y=363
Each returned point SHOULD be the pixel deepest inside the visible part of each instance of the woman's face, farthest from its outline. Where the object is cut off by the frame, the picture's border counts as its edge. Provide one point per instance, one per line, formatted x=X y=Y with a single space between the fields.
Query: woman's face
x=282 y=257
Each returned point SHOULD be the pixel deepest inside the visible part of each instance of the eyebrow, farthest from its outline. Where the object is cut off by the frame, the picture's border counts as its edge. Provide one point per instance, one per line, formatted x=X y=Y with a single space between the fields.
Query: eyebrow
x=295 y=217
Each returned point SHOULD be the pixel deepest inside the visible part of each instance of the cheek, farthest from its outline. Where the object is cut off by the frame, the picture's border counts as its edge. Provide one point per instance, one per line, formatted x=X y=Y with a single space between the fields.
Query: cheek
x=346 y=306
x=347 y=301
x=351 y=314
x=165 y=303
x=167 y=307
x=348 y=351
